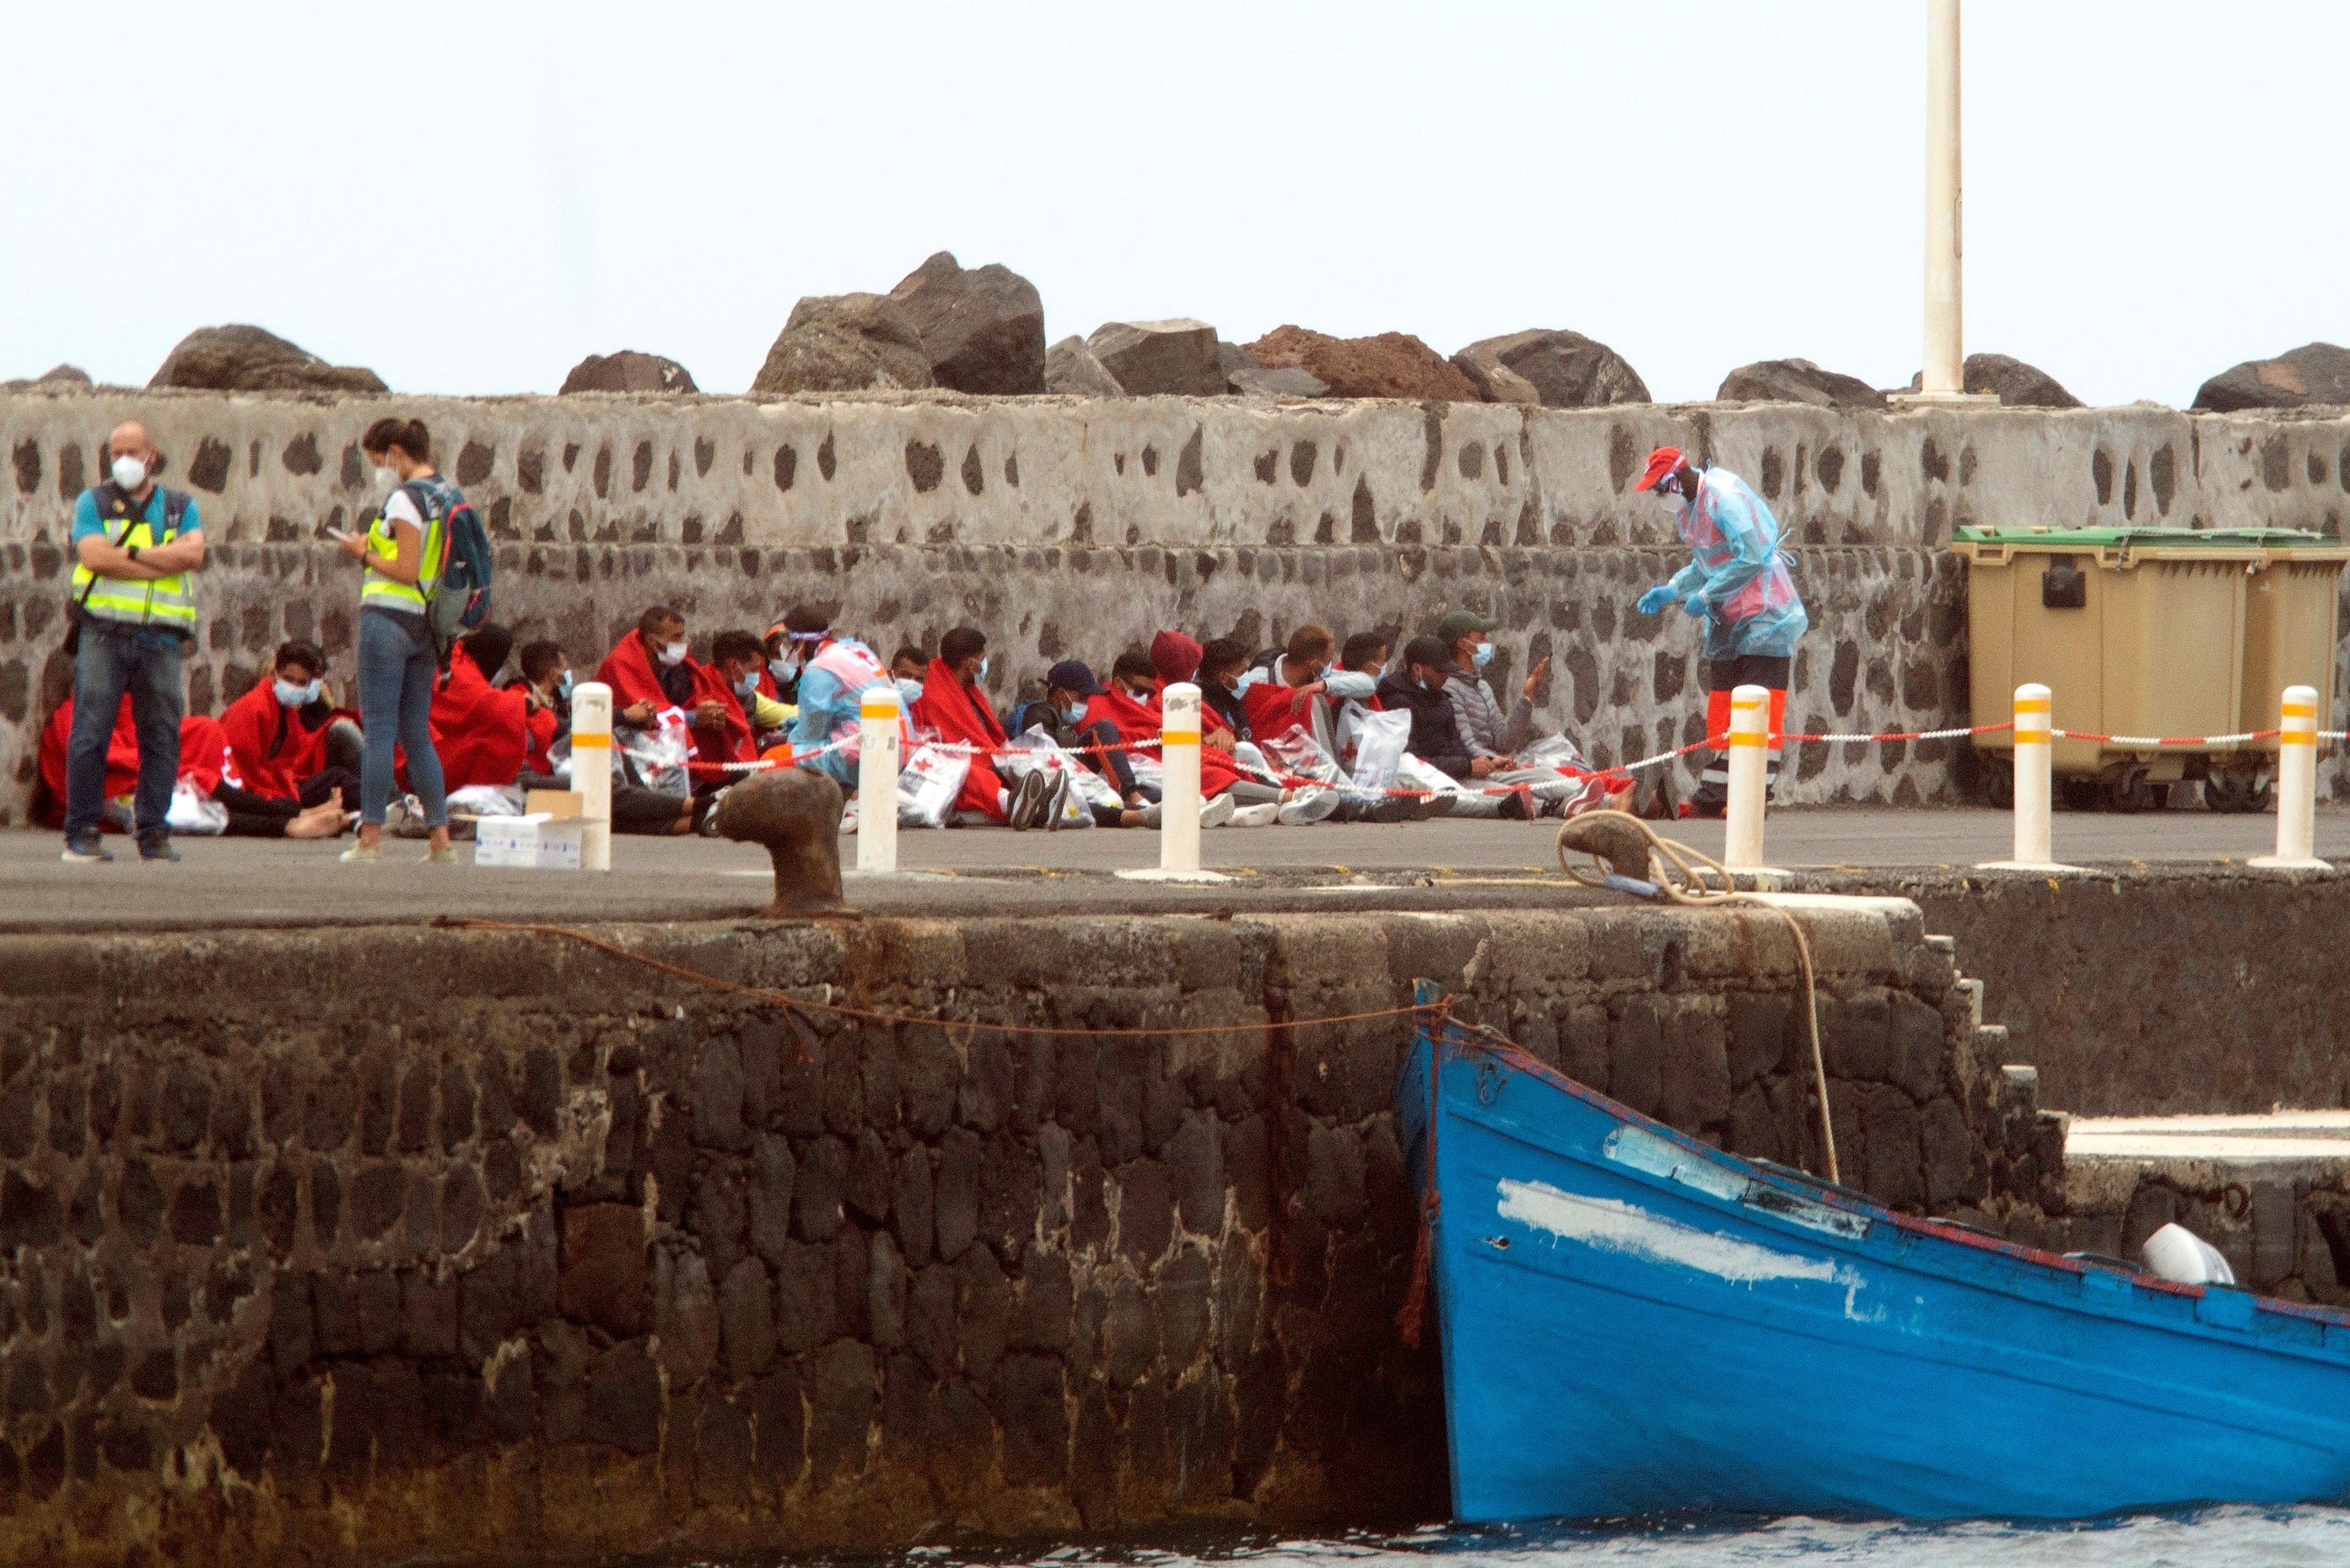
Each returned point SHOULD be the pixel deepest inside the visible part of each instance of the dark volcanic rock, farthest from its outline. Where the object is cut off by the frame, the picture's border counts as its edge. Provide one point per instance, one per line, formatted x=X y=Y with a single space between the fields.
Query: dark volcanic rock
x=1152 y=358
x=60 y=379
x=1797 y=381
x=1071 y=369
x=845 y=343
x=982 y=328
x=627 y=371
x=1245 y=377
x=2315 y=373
x=247 y=359
x=2012 y=381
x=1389 y=364
x=1558 y=370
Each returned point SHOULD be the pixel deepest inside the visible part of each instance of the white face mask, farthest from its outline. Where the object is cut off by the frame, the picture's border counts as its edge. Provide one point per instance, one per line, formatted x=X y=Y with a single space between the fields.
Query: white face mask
x=387 y=477
x=674 y=654
x=908 y=692
x=784 y=668
x=292 y=696
x=982 y=671
x=748 y=684
x=130 y=473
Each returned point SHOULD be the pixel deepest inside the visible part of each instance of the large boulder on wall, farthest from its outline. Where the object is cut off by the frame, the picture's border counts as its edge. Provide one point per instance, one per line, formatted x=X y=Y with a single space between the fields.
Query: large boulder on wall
x=845 y=343
x=626 y=371
x=2315 y=374
x=1388 y=364
x=1556 y=369
x=238 y=358
x=1797 y=381
x=1175 y=358
x=2014 y=383
x=1071 y=370
x=982 y=328
x=1243 y=377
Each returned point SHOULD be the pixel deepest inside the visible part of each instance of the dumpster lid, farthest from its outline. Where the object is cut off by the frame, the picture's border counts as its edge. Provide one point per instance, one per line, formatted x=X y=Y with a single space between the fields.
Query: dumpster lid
x=2138 y=538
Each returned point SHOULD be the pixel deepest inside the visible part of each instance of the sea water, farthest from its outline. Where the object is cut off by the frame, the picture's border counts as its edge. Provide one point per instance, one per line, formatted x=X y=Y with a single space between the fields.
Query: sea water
x=2232 y=1537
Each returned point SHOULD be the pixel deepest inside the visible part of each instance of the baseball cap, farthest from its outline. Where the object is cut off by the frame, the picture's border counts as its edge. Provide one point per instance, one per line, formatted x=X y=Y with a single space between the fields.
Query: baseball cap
x=1074 y=675
x=1463 y=623
x=1663 y=463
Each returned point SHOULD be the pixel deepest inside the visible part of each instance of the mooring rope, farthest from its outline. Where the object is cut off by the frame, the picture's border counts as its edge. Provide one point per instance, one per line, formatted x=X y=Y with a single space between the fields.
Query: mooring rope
x=1681 y=876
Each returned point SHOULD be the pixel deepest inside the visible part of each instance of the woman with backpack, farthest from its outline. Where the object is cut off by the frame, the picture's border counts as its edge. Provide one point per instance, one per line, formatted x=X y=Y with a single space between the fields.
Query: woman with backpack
x=401 y=557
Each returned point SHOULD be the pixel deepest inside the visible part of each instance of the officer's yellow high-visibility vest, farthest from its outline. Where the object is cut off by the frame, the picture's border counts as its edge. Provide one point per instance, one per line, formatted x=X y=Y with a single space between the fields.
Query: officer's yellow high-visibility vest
x=143 y=601
x=383 y=545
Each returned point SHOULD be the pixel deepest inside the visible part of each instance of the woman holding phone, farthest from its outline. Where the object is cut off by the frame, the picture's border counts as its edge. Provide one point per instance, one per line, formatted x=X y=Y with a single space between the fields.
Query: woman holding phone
x=400 y=557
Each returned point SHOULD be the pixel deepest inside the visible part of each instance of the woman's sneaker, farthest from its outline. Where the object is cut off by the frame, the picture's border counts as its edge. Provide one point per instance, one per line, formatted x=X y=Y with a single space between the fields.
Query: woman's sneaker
x=86 y=849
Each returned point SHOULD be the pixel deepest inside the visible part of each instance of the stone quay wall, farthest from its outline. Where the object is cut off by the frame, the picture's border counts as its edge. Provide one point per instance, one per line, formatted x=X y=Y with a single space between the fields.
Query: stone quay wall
x=2155 y=991
x=1071 y=527
x=384 y=1244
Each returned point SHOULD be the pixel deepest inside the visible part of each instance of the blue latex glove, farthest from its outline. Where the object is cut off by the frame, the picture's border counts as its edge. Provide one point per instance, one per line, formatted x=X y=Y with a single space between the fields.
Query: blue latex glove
x=1697 y=606
x=1656 y=598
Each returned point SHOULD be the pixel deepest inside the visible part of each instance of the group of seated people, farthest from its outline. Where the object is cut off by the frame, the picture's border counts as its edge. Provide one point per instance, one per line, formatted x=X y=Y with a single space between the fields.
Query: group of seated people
x=1282 y=729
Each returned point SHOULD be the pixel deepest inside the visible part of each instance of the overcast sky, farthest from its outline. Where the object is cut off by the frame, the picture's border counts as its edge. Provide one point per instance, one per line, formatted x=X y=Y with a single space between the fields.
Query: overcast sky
x=470 y=197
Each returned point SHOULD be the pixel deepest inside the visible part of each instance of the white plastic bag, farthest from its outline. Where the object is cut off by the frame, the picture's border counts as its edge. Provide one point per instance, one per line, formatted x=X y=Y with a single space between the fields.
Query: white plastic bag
x=1380 y=742
x=1299 y=755
x=927 y=783
x=656 y=755
x=1554 y=752
x=487 y=800
x=1035 y=748
x=194 y=813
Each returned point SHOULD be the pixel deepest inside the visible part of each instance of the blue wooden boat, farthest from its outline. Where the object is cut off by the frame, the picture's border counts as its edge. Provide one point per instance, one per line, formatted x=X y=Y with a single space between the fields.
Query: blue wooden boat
x=1633 y=1322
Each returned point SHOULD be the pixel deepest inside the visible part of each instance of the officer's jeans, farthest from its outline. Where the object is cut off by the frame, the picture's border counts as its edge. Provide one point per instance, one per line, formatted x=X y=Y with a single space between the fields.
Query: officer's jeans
x=396 y=674
x=145 y=662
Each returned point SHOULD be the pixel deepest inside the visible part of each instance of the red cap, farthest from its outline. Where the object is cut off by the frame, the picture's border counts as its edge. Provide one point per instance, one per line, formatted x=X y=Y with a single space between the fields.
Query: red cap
x=1663 y=463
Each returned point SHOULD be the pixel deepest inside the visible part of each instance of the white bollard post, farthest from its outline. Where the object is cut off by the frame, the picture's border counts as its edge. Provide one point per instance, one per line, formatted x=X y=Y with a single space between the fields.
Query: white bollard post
x=591 y=772
x=877 y=779
x=2296 y=785
x=1944 y=364
x=1178 y=787
x=2035 y=762
x=1750 y=740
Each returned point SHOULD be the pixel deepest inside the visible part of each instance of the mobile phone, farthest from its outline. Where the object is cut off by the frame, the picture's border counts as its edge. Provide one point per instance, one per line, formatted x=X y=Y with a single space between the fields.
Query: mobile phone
x=334 y=533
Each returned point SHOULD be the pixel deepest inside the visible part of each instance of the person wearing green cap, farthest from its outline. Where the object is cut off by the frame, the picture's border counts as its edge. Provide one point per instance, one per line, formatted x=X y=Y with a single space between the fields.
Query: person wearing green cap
x=1485 y=730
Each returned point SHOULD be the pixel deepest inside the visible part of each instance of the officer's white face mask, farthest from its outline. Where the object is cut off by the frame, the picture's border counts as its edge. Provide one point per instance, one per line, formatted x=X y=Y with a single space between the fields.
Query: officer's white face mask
x=130 y=473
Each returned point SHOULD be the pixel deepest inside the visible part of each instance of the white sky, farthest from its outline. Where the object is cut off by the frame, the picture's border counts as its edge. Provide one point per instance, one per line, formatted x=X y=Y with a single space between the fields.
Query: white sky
x=470 y=197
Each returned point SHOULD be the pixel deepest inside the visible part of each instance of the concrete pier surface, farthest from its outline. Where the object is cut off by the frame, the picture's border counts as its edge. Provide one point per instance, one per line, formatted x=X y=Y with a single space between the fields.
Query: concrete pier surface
x=261 y=882
x=2290 y=1136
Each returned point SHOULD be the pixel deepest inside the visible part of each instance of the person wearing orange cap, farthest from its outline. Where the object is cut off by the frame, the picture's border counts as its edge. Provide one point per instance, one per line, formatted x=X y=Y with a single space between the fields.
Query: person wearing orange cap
x=1737 y=582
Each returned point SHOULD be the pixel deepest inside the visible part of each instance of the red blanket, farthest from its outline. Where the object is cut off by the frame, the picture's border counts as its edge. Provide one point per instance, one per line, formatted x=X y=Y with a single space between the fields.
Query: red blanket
x=269 y=750
x=963 y=714
x=481 y=733
x=1270 y=711
x=1140 y=721
x=201 y=747
x=629 y=670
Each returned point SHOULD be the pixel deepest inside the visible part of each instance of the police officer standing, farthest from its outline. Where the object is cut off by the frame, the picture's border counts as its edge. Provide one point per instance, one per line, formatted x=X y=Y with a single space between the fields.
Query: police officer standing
x=134 y=544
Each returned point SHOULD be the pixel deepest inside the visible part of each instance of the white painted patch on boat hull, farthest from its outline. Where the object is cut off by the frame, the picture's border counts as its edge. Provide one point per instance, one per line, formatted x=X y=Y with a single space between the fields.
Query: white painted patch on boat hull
x=1632 y=1231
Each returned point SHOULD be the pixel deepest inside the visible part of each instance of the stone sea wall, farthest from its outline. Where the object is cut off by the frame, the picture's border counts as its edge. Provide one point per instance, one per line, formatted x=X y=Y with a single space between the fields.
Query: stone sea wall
x=1072 y=527
x=2154 y=991
x=498 y=1248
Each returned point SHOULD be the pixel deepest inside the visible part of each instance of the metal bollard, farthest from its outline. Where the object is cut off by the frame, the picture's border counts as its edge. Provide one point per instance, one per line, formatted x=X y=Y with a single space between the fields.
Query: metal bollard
x=1750 y=726
x=2036 y=753
x=591 y=772
x=2296 y=787
x=1178 y=787
x=877 y=779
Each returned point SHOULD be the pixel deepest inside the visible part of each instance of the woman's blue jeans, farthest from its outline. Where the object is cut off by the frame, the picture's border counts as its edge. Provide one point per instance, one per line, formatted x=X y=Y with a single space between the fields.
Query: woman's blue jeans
x=396 y=670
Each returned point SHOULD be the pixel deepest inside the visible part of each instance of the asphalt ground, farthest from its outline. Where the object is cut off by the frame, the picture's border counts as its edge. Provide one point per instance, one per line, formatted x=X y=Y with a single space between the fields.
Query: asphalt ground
x=243 y=882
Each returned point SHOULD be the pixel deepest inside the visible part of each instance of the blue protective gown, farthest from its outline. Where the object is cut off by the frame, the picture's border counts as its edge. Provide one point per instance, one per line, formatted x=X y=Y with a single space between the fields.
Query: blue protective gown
x=1739 y=568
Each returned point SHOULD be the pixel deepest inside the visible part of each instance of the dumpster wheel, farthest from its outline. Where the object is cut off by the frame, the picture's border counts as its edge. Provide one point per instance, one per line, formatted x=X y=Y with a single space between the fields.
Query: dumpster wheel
x=2238 y=790
x=2127 y=788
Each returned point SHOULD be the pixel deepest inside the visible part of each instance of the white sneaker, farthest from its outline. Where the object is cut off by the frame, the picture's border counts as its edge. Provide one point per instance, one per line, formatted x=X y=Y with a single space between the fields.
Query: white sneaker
x=1217 y=811
x=1261 y=815
x=848 y=819
x=1309 y=809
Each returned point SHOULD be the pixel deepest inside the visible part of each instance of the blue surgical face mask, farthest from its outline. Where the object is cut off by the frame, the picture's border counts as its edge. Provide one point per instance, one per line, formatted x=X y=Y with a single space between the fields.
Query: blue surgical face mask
x=783 y=670
x=292 y=696
x=1482 y=655
x=1075 y=713
x=908 y=692
x=563 y=687
x=982 y=671
x=748 y=684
